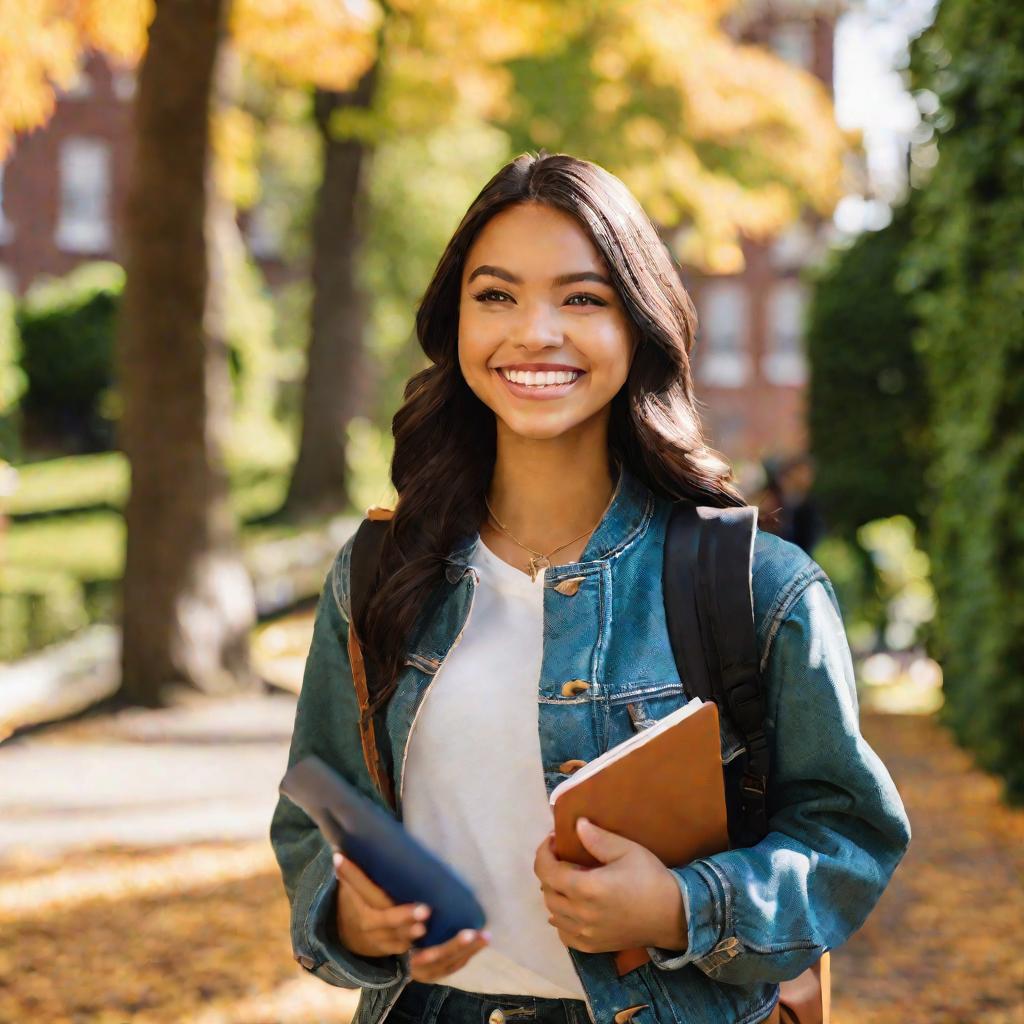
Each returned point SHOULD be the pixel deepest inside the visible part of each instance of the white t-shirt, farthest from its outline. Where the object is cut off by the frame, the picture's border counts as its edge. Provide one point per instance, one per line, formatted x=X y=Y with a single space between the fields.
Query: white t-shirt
x=474 y=789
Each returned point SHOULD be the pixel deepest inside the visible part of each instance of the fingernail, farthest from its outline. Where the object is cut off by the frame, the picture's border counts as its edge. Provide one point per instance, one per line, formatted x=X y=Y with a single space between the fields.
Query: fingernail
x=422 y=912
x=338 y=859
x=466 y=936
x=486 y=936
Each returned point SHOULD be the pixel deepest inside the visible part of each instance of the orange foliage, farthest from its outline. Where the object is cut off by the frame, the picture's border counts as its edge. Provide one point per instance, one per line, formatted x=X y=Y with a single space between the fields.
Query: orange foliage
x=743 y=141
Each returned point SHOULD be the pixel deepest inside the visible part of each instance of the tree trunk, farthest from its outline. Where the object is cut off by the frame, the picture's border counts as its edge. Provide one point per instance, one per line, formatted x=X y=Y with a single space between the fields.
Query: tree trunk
x=188 y=602
x=338 y=379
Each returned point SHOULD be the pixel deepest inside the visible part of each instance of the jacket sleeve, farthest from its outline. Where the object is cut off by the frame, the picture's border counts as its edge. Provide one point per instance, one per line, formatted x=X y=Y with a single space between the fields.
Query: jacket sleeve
x=326 y=724
x=838 y=827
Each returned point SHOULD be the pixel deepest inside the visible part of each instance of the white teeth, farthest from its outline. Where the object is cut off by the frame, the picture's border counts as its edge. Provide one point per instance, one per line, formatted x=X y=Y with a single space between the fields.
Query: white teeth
x=536 y=378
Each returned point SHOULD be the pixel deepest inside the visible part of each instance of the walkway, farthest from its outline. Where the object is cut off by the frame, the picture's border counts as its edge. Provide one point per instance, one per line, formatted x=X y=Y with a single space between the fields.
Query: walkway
x=137 y=882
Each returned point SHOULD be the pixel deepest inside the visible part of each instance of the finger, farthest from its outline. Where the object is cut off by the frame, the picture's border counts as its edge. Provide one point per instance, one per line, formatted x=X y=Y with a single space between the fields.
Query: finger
x=428 y=966
x=474 y=949
x=404 y=935
x=351 y=874
x=559 y=904
x=446 y=953
x=400 y=917
x=565 y=923
x=559 y=874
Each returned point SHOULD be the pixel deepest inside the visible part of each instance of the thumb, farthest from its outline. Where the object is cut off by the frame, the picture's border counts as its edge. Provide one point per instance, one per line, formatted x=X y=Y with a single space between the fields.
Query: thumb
x=604 y=845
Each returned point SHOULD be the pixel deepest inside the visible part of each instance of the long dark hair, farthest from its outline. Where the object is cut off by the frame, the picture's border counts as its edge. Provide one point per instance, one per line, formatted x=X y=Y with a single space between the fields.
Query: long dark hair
x=445 y=436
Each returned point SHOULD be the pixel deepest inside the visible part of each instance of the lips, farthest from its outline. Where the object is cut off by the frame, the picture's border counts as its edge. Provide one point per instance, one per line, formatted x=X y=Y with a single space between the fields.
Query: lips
x=545 y=392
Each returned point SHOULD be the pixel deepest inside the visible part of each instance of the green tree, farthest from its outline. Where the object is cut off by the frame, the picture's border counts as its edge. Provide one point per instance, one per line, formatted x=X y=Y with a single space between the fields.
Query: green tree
x=964 y=275
x=867 y=403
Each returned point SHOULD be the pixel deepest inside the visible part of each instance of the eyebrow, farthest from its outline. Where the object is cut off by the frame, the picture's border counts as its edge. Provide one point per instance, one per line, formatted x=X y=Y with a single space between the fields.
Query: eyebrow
x=507 y=275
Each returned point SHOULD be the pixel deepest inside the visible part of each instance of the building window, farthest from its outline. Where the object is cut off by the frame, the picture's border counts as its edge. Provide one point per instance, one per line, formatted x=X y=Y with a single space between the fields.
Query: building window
x=84 y=222
x=793 y=41
x=6 y=230
x=724 y=325
x=81 y=88
x=795 y=247
x=122 y=81
x=785 y=362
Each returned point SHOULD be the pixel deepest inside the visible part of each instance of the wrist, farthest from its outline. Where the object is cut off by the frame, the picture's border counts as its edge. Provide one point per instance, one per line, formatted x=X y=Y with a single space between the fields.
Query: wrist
x=673 y=928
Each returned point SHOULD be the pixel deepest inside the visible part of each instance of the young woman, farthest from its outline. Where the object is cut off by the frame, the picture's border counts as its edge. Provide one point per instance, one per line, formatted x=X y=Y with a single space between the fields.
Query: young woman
x=517 y=630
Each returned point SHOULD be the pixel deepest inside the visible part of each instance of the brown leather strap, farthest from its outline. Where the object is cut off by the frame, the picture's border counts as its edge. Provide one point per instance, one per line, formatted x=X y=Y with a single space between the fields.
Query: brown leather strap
x=367 y=734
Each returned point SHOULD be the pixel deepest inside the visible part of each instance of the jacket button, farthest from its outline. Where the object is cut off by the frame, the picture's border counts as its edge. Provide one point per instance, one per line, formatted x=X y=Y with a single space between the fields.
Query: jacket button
x=571 y=766
x=307 y=961
x=727 y=946
x=629 y=1013
x=496 y=1017
x=574 y=686
x=569 y=587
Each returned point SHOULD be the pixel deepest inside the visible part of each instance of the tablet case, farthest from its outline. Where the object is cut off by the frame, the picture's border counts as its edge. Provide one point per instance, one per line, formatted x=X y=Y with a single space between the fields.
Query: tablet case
x=386 y=853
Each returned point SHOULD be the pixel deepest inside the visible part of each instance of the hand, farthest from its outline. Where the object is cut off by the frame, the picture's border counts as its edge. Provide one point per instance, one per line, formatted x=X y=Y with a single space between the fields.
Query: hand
x=630 y=900
x=370 y=923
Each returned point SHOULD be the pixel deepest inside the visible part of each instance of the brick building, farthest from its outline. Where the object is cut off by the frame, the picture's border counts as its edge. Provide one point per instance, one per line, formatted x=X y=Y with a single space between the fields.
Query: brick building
x=59 y=188
x=62 y=188
x=749 y=364
x=60 y=204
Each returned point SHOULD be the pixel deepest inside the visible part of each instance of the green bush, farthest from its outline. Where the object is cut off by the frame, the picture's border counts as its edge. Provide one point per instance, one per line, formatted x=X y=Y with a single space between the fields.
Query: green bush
x=38 y=607
x=964 y=274
x=12 y=382
x=67 y=327
x=866 y=403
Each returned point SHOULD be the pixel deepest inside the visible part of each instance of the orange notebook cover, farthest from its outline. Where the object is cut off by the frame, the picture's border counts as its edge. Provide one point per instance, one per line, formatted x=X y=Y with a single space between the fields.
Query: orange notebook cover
x=662 y=788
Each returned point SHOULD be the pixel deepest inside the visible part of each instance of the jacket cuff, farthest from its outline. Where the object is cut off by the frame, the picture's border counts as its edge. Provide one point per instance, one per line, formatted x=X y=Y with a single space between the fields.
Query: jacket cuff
x=315 y=940
x=706 y=909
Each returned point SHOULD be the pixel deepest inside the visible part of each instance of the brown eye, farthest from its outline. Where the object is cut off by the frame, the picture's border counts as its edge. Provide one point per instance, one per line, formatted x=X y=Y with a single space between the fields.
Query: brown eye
x=586 y=295
x=488 y=294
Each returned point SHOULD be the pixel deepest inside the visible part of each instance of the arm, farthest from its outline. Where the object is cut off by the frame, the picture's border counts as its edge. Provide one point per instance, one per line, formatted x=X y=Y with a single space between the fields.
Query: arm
x=326 y=724
x=837 y=825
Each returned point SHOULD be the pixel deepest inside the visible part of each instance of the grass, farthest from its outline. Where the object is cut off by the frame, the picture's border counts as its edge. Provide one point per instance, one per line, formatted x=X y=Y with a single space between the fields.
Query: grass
x=66 y=535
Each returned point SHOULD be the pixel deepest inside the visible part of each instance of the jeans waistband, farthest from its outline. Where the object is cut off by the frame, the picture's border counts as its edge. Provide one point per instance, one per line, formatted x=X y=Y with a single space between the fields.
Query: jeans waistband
x=442 y=1004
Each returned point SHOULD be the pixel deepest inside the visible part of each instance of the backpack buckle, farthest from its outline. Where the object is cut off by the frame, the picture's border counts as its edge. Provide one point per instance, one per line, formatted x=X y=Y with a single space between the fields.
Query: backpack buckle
x=754 y=785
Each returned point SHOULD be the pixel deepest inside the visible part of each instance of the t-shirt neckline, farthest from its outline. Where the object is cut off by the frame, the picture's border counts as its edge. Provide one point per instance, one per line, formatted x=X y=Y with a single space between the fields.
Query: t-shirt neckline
x=506 y=572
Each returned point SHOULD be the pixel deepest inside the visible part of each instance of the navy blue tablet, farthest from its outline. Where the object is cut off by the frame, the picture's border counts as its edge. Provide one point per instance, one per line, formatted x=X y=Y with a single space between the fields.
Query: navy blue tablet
x=386 y=853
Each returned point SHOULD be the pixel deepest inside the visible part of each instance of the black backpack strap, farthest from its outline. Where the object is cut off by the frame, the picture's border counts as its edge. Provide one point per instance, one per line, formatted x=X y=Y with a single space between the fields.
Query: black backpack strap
x=364 y=559
x=710 y=615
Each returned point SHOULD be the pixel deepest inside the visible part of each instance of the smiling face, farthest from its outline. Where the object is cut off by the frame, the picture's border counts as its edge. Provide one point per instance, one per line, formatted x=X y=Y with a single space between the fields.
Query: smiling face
x=537 y=303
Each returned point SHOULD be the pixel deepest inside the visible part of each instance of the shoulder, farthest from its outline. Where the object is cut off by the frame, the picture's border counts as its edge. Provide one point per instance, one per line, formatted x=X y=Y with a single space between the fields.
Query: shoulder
x=781 y=572
x=339 y=575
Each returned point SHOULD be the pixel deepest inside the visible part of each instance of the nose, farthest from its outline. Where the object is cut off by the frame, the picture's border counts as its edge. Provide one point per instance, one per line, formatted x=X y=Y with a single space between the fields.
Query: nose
x=538 y=327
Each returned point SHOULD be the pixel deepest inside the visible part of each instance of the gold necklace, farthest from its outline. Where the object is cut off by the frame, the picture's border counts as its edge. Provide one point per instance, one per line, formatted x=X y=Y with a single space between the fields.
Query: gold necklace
x=539 y=560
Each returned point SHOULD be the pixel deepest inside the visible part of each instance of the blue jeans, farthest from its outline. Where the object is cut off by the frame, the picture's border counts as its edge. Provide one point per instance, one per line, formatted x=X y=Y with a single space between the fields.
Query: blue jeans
x=422 y=1003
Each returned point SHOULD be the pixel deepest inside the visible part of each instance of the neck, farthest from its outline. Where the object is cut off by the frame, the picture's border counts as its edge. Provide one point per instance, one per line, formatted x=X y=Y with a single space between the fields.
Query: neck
x=546 y=497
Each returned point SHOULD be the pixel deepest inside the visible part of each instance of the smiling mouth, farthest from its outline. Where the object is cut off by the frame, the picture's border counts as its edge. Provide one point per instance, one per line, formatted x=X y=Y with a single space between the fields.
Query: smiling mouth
x=540 y=380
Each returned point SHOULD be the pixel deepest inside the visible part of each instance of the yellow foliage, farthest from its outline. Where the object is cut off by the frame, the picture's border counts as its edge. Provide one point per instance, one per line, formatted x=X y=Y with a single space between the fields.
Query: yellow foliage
x=233 y=137
x=41 y=47
x=322 y=42
x=713 y=135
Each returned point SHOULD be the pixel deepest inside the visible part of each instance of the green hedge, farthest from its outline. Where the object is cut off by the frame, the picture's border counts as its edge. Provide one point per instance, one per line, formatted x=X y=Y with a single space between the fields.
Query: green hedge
x=866 y=402
x=67 y=330
x=38 y=607
x=965 y=275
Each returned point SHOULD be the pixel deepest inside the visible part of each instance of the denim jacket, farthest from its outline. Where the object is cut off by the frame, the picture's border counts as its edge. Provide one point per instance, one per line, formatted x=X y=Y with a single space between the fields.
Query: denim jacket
x=755 y=916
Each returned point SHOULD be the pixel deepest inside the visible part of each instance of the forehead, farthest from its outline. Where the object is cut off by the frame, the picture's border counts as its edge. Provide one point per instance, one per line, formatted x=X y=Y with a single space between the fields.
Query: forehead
x=534 y=241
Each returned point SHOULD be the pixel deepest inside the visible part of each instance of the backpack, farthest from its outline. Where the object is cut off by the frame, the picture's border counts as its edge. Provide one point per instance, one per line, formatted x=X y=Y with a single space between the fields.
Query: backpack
x=706 y=581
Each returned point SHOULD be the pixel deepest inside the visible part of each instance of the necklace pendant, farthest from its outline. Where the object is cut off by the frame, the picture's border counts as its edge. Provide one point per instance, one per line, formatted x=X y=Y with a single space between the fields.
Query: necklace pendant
x=536 y=564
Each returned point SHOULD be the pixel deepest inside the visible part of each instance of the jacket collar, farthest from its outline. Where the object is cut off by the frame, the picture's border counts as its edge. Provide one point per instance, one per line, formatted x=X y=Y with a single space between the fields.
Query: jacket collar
x=628 y=513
